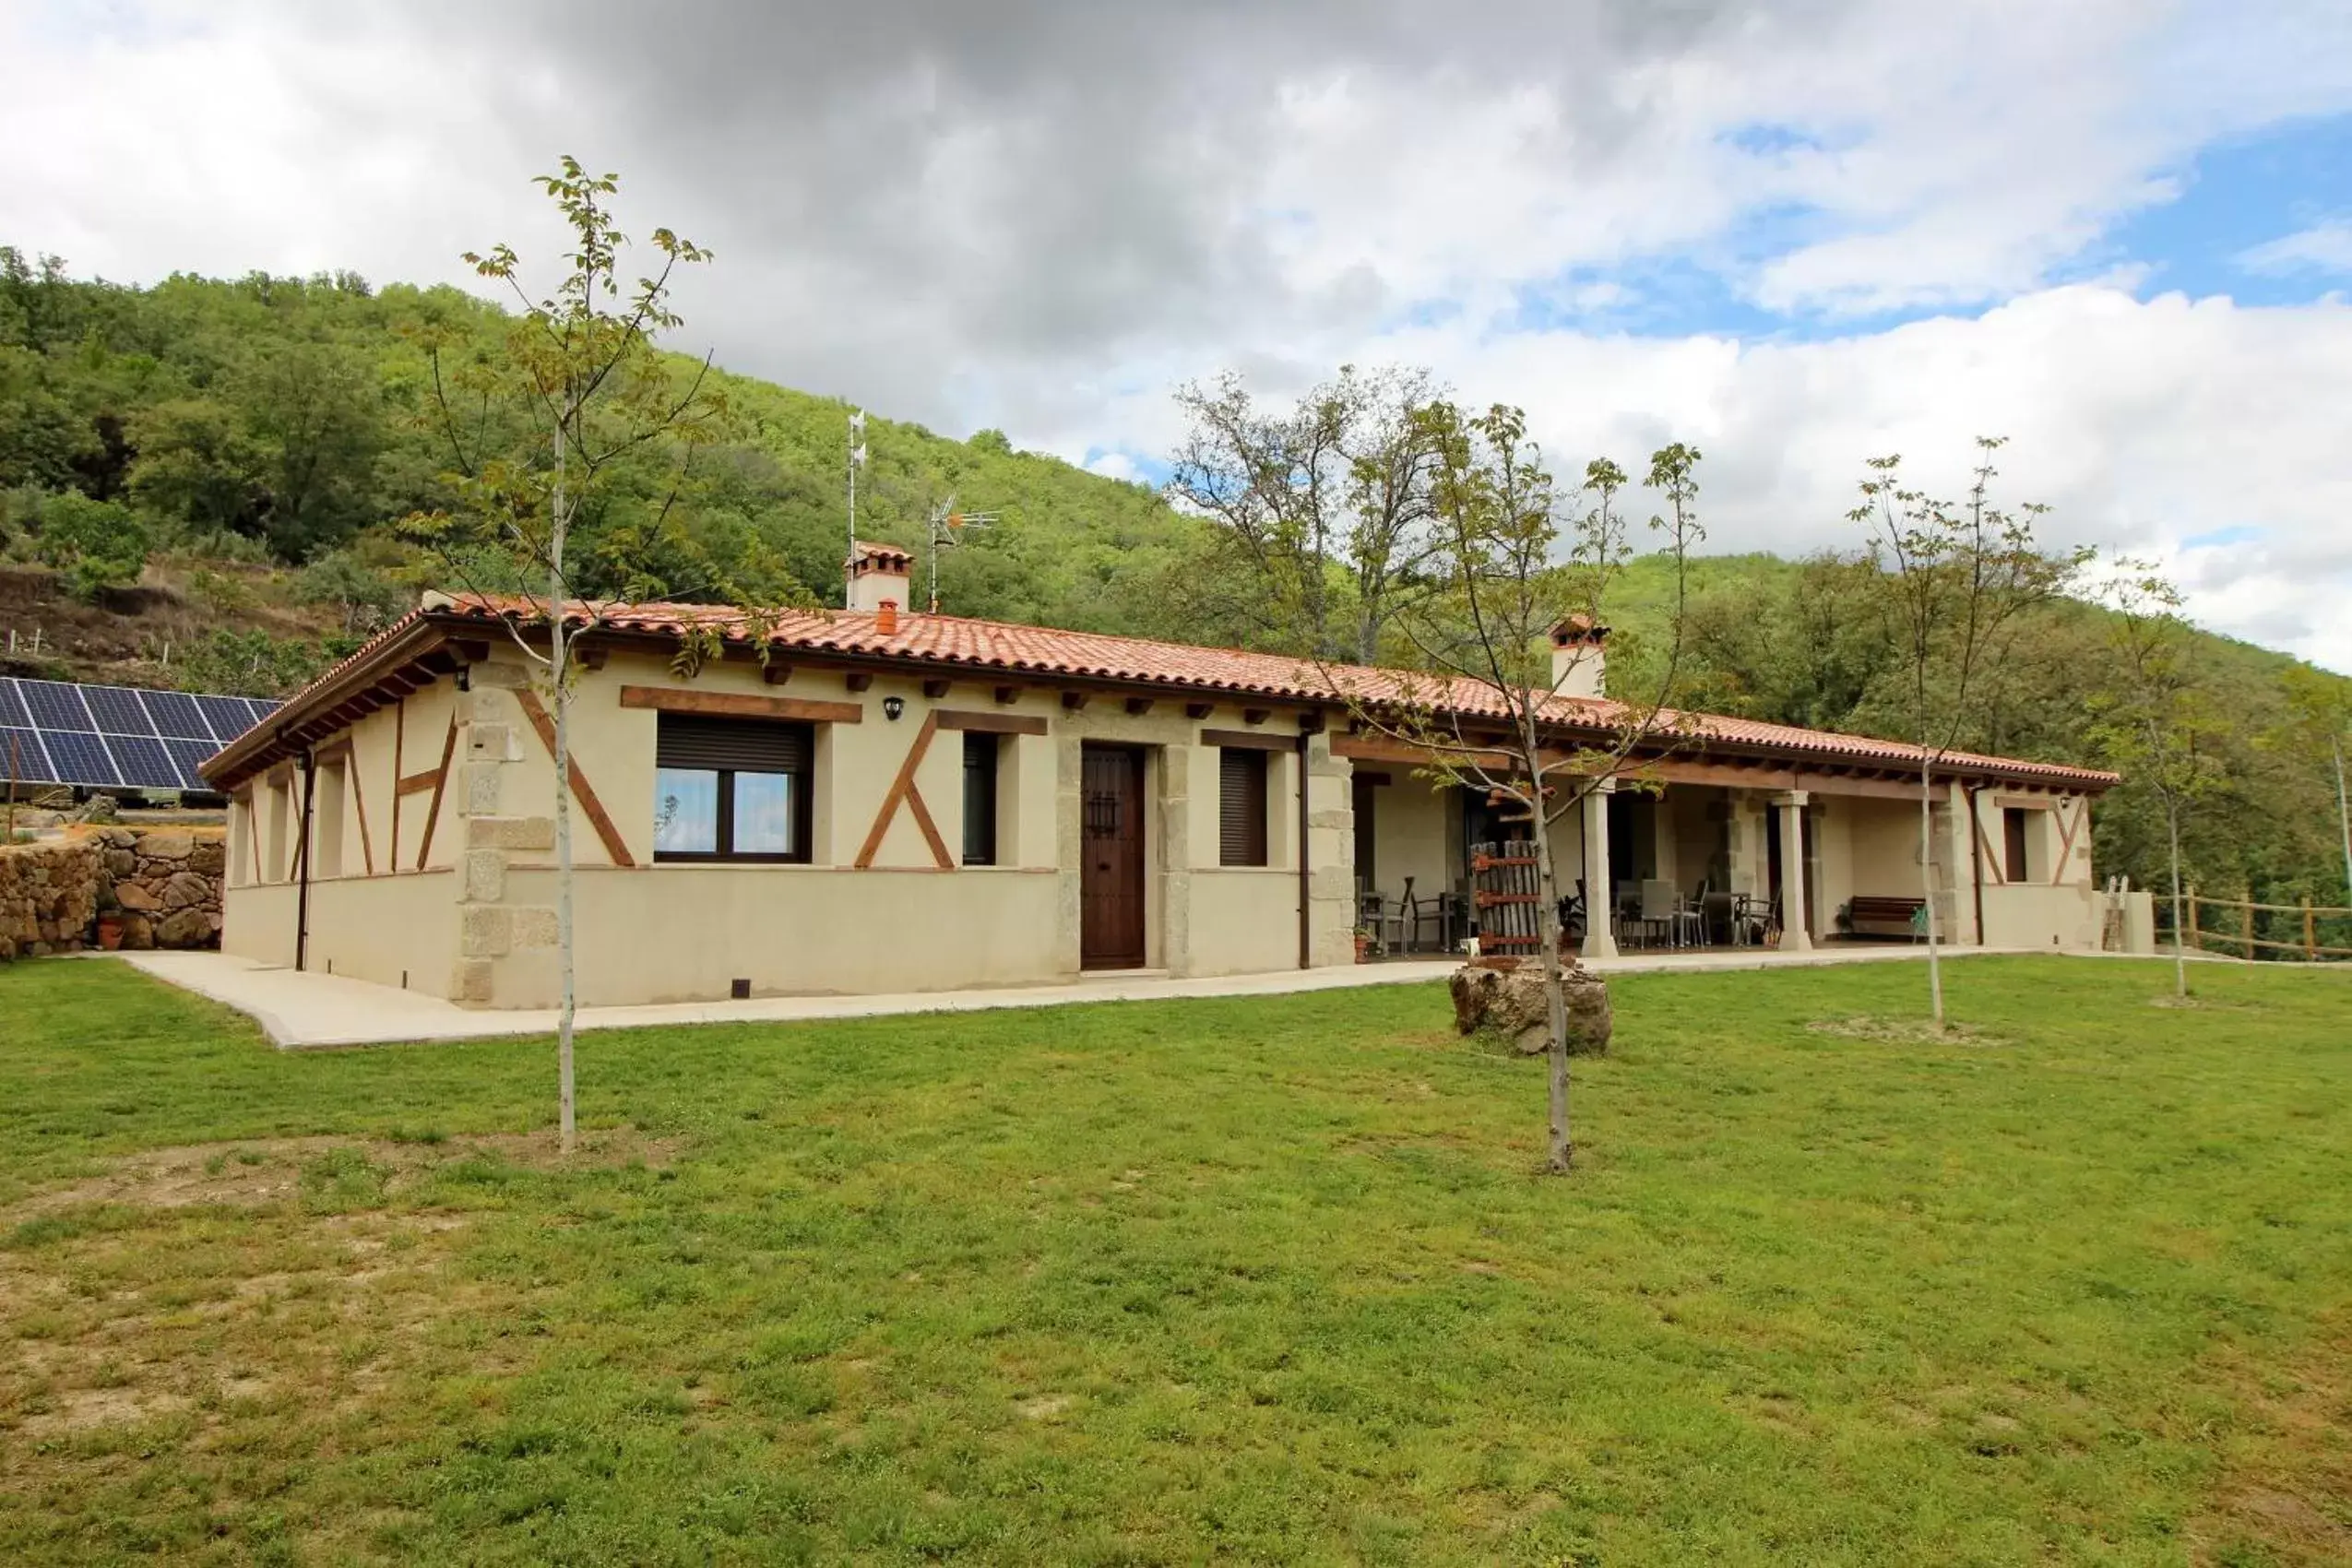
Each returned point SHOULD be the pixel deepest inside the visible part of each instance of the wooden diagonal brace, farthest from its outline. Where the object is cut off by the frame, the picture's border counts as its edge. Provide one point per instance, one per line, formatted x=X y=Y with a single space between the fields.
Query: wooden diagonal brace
x=615 y=847
x=903 y=789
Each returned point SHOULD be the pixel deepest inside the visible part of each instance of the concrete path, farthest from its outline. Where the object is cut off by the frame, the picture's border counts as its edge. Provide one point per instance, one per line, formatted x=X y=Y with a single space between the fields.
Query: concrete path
x=298 y=1010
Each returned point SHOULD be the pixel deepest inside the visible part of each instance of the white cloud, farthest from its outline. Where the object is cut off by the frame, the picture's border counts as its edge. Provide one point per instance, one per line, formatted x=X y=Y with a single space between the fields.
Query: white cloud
x=1041 y=214
x=2323 y=248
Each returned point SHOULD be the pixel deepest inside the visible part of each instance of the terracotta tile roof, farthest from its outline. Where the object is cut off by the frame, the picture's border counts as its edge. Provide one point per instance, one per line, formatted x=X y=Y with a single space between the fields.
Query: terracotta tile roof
x=1043 y=650
x=1011 y=648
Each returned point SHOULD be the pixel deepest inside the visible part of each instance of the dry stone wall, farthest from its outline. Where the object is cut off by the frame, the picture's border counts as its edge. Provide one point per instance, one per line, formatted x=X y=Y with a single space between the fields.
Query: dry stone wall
x=48 y=896
x=141 y=887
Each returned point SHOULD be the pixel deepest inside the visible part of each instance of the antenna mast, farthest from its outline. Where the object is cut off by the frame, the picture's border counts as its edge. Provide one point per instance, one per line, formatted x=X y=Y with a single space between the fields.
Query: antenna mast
x=857 y=461
x=946 y=525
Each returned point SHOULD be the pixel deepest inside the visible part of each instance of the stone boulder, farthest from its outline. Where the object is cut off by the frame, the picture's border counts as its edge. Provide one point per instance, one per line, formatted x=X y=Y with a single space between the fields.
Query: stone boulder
x=1510 y=1002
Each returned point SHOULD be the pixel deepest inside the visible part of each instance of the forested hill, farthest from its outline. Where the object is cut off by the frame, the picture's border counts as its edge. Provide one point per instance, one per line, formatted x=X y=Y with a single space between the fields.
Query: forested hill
x=212 y=470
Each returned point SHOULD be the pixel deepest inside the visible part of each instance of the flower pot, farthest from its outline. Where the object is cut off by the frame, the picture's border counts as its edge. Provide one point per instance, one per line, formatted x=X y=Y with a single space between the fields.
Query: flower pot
x=110 y=931
x=1363 y=949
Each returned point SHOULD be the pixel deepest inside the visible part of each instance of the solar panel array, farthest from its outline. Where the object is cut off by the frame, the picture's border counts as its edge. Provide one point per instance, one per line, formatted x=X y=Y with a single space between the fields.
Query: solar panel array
x=115 y=737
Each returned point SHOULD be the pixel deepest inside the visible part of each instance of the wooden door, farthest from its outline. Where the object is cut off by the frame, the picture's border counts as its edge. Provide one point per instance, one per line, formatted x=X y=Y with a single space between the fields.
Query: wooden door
x=1110 y=873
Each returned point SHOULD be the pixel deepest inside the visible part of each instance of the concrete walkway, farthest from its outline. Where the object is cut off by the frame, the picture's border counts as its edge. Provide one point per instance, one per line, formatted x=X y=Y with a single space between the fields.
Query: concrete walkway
x=300 y=1011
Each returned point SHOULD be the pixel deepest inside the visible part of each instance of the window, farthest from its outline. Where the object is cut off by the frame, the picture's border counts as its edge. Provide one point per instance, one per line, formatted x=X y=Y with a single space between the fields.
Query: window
x=731 y=790
x=980 y=798
x=1240 y=807
x=2013 y=834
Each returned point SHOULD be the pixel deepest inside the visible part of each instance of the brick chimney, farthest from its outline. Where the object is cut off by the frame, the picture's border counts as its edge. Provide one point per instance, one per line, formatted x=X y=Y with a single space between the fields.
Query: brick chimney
x=876 y=573
x=1579 y=658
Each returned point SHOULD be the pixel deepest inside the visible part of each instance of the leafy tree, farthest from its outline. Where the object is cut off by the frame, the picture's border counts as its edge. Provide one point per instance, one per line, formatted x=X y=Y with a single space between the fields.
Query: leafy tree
x=1956 y=579
x=311 y=411
x=198 y=469
x=100 y=544
x=1329 y=502
x=545 y=430
x=2320 y=709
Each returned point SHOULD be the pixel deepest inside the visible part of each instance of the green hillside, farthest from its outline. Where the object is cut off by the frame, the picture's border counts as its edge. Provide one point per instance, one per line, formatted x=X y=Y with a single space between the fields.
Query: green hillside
x=200 y=480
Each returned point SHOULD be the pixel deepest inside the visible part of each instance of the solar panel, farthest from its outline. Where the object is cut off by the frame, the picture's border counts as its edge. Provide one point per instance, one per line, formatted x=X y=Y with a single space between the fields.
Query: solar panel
x=12 y=707
x=143 y=762
x=185 y=756
x=21 y=757
x=229 y=717
x=177 y=717
x=118 y=710
x=262 y=707
x=80 y=758
x=55 y=706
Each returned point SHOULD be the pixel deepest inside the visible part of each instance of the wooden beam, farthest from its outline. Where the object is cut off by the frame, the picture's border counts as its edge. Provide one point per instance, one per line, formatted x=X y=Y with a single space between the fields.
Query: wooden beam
x=742 y=705
x=902 y=788
x=616 y=849
x=359 y=808
x=1256 y=715
x=1197 y=710
x=2066 y=845
x=859 y=680
x=440 y=787
x=1247 y=741
x=775 y=672
x=1074 y=701
x=399 y=734
x=936 y=688
x=992 y=723
x=1008 y=694
x=417 y=781
x=592 y=657
x=1991 y=856
x=1138 y=707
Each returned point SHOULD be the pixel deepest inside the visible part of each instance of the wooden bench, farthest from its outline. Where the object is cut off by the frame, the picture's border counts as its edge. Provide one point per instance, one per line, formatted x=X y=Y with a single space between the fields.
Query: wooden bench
x=1872 y=915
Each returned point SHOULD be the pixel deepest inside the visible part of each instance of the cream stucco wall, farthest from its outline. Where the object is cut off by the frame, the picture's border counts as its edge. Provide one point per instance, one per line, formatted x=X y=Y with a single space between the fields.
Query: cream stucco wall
x=473 y=918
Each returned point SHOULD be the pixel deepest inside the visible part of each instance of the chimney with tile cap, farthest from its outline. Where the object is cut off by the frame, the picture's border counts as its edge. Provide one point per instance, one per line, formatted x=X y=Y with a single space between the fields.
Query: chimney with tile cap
x=1578 y=656
x=876 y=573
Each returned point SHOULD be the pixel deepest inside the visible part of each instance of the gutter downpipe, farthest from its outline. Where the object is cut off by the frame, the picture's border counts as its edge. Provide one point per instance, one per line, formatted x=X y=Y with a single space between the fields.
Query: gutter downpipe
x=302 y=859
x=1306 y=870
x=1977 y=857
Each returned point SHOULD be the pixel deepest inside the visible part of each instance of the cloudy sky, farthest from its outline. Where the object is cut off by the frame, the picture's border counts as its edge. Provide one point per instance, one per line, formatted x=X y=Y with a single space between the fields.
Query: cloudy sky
x=1796 y=234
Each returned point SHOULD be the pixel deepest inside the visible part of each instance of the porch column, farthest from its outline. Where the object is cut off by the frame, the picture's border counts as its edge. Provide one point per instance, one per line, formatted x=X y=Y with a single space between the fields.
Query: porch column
x=1600 y=897
x=1794 y=938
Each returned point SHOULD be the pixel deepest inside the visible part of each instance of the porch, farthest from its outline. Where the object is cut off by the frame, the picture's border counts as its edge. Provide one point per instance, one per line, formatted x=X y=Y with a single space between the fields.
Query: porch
x=1691 y=869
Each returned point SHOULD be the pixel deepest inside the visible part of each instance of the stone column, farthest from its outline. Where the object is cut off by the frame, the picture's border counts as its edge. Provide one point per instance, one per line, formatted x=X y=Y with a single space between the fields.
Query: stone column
x=1794 y=938
x=1599 y=895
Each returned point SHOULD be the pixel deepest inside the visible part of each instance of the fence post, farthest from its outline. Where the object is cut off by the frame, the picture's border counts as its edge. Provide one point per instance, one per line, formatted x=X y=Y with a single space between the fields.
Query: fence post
x=2195 y=941
x=2311 y=933
x=2246 y=922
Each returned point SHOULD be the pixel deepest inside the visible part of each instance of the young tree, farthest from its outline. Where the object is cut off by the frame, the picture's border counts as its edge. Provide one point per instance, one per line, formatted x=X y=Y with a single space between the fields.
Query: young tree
x=1512 y=559
x=576 y=389
x=1329 y=501
x=1954 y=578
x=2319 y=705
x=2158 y=722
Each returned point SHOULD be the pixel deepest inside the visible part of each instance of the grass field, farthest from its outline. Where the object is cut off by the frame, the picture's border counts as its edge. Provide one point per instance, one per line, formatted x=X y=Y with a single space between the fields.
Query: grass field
x=1269 y=1280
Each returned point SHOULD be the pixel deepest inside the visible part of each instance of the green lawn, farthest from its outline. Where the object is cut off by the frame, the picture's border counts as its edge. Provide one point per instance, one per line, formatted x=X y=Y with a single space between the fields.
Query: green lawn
x=1270 y=1281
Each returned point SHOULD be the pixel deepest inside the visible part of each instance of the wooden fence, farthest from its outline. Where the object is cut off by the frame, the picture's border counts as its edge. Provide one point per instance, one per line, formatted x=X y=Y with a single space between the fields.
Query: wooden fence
x=2243 y=929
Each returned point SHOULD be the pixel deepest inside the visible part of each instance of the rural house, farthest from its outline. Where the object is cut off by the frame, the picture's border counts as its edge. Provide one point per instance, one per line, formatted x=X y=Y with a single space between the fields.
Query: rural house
x=896 y=802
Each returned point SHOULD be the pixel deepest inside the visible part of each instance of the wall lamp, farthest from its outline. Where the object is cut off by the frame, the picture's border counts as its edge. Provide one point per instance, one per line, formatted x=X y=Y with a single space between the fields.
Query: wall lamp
x=893 y=707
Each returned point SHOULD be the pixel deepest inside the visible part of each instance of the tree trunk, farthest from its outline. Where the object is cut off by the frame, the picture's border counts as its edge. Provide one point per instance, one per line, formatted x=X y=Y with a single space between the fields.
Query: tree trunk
x=2180 y=928
x=559 y=655
x=1555 y=999
x=1927 y=885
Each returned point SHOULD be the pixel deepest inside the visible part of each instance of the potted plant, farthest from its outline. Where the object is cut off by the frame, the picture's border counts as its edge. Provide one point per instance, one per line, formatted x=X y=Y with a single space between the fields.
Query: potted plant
x=1364 y=944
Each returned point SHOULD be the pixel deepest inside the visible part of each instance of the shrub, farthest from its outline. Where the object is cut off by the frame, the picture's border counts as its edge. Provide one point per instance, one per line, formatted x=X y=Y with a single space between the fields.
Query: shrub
x=98 y=544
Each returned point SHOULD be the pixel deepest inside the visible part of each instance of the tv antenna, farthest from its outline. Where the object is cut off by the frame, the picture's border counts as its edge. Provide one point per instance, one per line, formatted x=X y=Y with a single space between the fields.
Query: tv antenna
x=948 y=526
